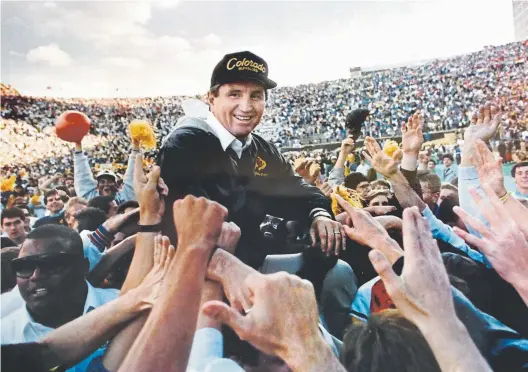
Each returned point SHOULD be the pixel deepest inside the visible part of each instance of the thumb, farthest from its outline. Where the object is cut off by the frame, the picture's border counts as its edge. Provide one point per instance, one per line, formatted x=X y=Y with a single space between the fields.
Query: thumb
x=384 y=270
x=220 y=312
x=153 y=176
x=138 y=167
x=351 y=232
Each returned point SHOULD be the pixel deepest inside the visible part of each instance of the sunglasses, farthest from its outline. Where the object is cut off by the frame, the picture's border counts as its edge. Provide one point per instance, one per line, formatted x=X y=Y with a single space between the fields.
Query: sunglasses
x=48 y=264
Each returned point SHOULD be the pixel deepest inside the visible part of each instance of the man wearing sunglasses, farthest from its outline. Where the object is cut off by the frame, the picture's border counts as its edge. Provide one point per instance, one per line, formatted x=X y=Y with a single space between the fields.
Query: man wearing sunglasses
x=51 y=287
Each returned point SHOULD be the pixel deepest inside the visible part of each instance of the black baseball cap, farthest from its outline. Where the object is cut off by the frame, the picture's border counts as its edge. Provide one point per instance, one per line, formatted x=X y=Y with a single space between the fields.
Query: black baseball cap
x=241 y=66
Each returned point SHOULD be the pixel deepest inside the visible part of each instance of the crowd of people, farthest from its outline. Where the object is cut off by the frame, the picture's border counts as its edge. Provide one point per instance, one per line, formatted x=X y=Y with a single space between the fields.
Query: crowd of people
x=226 y=255
x=445 y=90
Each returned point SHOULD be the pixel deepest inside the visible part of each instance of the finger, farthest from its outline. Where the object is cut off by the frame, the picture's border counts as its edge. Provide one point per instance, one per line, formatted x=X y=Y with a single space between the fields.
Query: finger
x=472 y=222
x=487 y=114
x=351 y=233
x=157 y=249
x=323 y=237
x=343 y=238
x=138 y=168
x=470 y=238
x=154 y=176
x=313 y=236
x=337 y=240
x=499 y=212
x=163 y=188
x=496 y=115
x=385 y=272
x=367 y=156
x=485 y=206
x=410 y=234
x=397 y=155
x=376 y=145
x=219 y=311
x=165 y=243
x=474 y=119
x=480 y=118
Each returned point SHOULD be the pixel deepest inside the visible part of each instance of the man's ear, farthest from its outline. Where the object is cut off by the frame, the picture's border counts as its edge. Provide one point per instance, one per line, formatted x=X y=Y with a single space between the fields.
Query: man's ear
x=436 y=196
x=210 y=98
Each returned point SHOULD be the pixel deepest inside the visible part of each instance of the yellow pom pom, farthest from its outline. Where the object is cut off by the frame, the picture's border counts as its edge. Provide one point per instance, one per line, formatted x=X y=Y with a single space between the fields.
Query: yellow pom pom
x=35 y=199
x=8 y=184
x=351 y=158
x=141 y=131
x=390 y=147
x=351 y=197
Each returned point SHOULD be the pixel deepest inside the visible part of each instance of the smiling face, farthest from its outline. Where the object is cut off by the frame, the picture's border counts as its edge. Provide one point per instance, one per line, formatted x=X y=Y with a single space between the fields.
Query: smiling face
x=51 y=284
x=238 y=107
x=54 y=203
x=521 y=178
x=106 y=185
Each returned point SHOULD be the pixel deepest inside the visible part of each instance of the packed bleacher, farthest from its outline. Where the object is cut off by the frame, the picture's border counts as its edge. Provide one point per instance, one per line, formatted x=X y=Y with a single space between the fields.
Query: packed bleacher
x=159 y=238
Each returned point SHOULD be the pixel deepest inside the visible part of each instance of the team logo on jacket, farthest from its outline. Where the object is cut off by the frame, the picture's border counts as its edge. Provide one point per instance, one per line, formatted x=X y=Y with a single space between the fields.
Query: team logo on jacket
x=260 y=164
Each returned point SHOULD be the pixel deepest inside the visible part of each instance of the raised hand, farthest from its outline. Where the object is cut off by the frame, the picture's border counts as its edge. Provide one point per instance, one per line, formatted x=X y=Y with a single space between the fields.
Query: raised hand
x=380 y=161
x=489 y=169
x=347 y=146
x=325 y=188
x=365 y=230
x=484 y=124
x=150 y=191
x=412 y=136
x=198 y=222
x=163 y=255
x=423 y=292
x=308 y=171
x=504 y=243
x=271 y=326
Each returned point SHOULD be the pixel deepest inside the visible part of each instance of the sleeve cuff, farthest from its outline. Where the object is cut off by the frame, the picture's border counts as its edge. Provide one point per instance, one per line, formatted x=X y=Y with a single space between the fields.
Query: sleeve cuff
x=467 y=173
x=101 y=238
x=409 y=162
x=319 y=212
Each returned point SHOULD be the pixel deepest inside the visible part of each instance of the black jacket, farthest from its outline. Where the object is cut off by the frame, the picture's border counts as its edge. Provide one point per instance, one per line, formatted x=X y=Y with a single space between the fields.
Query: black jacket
x=193 y=161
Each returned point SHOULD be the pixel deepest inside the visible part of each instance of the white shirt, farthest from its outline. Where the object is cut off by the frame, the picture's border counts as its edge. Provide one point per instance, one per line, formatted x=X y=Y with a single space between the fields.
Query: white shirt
x=19 y=327
x=10 y=301
x=226 y=138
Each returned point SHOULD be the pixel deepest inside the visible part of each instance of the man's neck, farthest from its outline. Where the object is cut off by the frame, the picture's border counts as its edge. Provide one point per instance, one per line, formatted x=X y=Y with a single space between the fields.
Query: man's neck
x=64 y=312
x=522 y=190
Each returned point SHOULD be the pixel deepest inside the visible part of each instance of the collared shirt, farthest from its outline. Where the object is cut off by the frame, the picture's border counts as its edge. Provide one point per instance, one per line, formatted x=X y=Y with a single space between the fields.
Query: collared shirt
x=227 y=140
x=19 y=327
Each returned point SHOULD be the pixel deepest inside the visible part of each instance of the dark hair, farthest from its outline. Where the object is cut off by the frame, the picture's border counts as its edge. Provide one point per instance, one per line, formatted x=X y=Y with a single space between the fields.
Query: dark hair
x=8 y=276
x=445 y=211
x=354 y=179
x=90 y=219
x=128 y=204
x=449 y=156
x=431 y=160
x=56 y=192
x=66 y=190
x=215 y=91
x=68 y=237
x=101 y=202
x=517 y=165
x=454 y=182
x=13 y=212
x=387 y=342
x=432 y=180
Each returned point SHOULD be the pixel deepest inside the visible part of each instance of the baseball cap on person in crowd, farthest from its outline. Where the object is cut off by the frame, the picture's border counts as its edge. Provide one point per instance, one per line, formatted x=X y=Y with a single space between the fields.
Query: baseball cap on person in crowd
x=106 y=173
x=241 y=66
